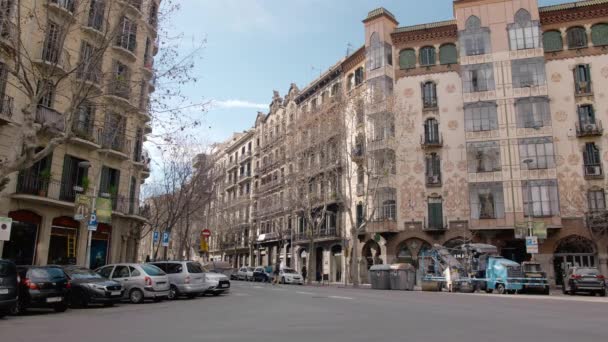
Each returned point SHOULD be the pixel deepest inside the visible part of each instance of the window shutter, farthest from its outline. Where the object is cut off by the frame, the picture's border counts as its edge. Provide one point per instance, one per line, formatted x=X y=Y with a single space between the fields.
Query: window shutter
x=104 y=184
x=407 y=59
x=448 y=54
x=552 y=41
x=599 y=34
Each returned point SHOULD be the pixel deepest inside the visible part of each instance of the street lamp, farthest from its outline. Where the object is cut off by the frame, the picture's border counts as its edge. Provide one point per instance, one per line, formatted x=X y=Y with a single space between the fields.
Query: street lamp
x=529 y=161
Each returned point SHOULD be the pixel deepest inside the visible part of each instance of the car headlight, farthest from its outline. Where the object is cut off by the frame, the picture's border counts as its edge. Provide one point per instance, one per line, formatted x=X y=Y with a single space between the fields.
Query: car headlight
x=97 y=287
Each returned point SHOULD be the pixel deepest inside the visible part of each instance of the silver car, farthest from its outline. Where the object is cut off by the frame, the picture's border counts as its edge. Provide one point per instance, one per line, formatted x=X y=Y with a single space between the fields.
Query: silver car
x=140 y=281
x=245 y=273
x=185 y=277
x=218 y=282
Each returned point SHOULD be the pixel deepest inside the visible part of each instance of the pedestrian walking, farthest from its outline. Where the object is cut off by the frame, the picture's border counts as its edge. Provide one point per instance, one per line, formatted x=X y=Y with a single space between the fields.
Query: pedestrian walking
x=277 y=270
x=268 y=270
x=304 y=273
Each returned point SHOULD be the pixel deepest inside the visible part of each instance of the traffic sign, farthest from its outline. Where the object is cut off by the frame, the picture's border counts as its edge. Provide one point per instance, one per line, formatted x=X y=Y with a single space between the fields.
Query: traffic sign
x=532 y=245
x=206 y=233
x=156 y=235
x=165 y=239
x=92 y=226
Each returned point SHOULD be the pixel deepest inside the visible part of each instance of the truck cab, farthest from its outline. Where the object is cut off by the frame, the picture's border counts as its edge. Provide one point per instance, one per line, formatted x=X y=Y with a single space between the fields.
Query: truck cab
x=503 y=275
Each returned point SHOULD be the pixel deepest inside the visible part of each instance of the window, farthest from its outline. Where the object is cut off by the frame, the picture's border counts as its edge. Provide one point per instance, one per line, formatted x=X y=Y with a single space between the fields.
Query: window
x=380 y=87
x=138 y=148
x=385 y=205
x=376 y=52
x=113 y=136
x=435 y=207
x=577 y=38
x=582 y=79
x=591 y=158
x=478 y=78
x=599 y=34
x=110 y=179
x=448 y=54
x=429 y=95
x=487 y=201
x=359 y=76
x=533 y=112
x=72 y=176
x=121 y=84
x=475 y=39
x=68 y=5
x=483 y=156
x=540 y=198
x=134 y=272
x=89 y=68
x=433 y=169
x=84 y=120
x=528 y=72
x=431 y=131
x=153 y=18
x=524 y=33
x=481 y=116
x=596 y=200
x=552 y=41
x=96 y=14
x=106 y=271
x=52 y=44
x=121 y=272
x=127 y=37
x=48 y=94
x=407 y=59
x=427 y=56
x=586 y=117
x=536 y=153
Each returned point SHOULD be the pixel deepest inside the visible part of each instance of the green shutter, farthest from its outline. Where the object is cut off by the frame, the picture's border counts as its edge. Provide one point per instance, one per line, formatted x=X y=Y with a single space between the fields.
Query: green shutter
x=599 y=34
x=448 y=54
x=552 y=41
x=407 y=59
x=435 y=214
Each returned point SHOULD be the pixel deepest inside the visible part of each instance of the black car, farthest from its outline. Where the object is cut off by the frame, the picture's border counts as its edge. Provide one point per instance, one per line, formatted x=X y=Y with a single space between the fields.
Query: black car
x=260 y=275
x=89 y=287
x=8 y=286
x=42 y=287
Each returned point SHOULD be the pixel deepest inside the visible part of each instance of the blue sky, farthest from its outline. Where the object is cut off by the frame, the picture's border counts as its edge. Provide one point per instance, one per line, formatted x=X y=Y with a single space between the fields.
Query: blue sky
x=255 y=46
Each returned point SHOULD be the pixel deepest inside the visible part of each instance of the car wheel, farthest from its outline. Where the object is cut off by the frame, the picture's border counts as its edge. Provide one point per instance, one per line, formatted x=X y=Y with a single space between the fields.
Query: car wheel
x=79 y=299
x=173 y=293
x=61 y=307
x=108 y=305
x=18 y=309
x=136 y=296
x=191 y=295
x=500 y=289
x=215 y=294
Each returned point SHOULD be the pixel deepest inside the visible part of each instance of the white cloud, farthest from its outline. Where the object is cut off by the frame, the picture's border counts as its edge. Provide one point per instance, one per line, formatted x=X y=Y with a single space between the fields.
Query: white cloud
x=232 y=104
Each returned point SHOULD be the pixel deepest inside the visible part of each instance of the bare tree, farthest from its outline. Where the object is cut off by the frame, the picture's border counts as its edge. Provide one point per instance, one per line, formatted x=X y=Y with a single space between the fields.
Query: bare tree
x=80 y=77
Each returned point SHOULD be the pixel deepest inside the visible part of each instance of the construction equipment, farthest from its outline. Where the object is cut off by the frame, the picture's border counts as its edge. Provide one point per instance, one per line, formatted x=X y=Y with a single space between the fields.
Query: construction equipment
x=536 y=279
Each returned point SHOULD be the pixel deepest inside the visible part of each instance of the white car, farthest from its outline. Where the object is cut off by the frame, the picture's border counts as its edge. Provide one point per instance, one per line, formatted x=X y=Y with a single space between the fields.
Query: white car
x=290 y=276
x=245 y=273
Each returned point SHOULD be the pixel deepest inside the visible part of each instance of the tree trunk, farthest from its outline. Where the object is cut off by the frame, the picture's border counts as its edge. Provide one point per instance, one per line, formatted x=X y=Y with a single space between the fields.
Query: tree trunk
x=311 y=255
x=354 y=262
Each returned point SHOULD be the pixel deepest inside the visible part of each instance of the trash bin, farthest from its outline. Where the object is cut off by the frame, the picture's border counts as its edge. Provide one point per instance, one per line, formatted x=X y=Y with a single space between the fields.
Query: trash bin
x=380 y=277
x=403 y=277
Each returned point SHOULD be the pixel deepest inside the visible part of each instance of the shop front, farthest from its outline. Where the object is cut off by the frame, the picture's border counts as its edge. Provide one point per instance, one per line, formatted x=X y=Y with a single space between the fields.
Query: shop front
x=21 y=248
x=63 y=243
x=100 y=246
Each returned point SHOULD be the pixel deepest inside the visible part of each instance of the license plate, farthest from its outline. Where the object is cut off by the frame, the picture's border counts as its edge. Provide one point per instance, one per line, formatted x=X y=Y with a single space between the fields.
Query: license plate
x=224 y=285
x=3 y=291
x=115 y=293
x=54 y=299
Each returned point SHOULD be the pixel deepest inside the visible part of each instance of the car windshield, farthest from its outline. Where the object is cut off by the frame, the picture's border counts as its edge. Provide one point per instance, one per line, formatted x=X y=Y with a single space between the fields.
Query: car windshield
x=532 y=268
x=194 y=267
x=47 y=273
x=152 y=270
x=587 y=271
x=289 y=271
x=82 y=273
x=249 y=269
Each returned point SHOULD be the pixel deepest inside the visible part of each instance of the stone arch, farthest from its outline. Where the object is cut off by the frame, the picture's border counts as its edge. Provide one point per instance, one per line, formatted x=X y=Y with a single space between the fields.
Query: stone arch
x=573 y=250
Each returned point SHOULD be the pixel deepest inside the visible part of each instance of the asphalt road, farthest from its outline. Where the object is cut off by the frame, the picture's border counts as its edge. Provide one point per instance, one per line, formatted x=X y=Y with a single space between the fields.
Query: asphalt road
x=255 y=312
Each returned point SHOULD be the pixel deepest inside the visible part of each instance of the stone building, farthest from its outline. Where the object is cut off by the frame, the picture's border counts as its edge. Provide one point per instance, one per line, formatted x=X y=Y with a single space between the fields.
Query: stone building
x=106 y=159
x=472 y=129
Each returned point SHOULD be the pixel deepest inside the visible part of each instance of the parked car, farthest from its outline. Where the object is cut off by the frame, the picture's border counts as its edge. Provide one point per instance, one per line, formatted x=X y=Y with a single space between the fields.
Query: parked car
x=42 y=287
x=290 y=276
x=584 y=279
x=186 y=278
x=89 y=287
x=245 y=273
x=222 y=267
x=218 y=283
x=260 y=274
x=9 y=281
x=140 y=281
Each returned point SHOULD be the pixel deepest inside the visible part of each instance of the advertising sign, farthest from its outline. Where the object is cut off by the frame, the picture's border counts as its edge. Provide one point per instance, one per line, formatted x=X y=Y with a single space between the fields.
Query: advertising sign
x=104 y=210
x=82 y=206
x=540 y=230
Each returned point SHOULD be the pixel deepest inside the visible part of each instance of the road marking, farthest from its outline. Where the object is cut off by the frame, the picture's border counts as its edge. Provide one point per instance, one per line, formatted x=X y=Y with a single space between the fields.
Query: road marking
x=257 y=287
x=340 y=297
x=305 y=293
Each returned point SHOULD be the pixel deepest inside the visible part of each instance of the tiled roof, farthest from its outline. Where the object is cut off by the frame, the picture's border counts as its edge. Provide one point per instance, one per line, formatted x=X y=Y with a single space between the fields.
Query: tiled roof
x=571 y=5
x=378 y=12
x=428 y=26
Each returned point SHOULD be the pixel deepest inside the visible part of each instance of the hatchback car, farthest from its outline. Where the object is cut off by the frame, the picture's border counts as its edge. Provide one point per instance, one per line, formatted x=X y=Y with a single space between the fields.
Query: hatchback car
x=140 y=281
x=260 y=274
x=89 y=287
x=290 y=276
x=245 y=273
x=8 y=286
x=42 y=287
x=584 y=279
x=186 y=278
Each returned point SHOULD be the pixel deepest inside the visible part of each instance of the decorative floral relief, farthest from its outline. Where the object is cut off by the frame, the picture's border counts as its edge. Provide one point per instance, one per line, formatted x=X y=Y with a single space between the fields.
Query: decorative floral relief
x=567 y=98
x=606 y=156
x=418 y=168
x=450 y=88
x=412 y=197
x=571 y=193
x=444 y=109
x=455 y=192
x=601 y=95
x=605 y=72
x=408 y=92
x=556 y=77
x=560 y=160
x=574 y=159
x=561 y=116
x=449 y=166
x=453 y=125
x=462 y=165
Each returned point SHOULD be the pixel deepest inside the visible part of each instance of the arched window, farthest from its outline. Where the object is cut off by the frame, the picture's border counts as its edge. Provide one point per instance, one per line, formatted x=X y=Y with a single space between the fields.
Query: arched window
x=407 y=59
x=376 y=51
x=427 y=56
x=429 y=94
x=577 y=38
x=552 y=41
x=474 y=40
x=524 y=33
x=599 y=34
x=448 y=54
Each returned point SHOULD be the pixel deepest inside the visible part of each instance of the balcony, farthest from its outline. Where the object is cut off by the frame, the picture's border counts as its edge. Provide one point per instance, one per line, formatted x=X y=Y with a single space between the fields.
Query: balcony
x=34 y=187
x=126 y=206
x=6 y=109
x=50 y=119
x=244 y=176
x=589 y=129
x=64 y=8
x=270 y=185
x=583 y=88
x=114 y=144
x=438 y=226
x=381 y=225
x=132 y=6
x=597 y=221
x=433 y=180
x=245 y=156
x=331 y=233
x=382 y=143
x=85 y=135
x=593 y=171
x=427 y=141
x=54 y=59
x=92 y=78
x=120 y=92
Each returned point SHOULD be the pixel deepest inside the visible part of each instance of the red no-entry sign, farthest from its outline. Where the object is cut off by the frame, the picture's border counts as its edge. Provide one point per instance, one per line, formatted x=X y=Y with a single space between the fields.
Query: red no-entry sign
x=206 y=233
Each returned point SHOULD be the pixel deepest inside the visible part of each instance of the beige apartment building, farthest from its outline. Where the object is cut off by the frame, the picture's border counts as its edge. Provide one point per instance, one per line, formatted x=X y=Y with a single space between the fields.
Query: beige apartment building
x=472 y=129
x=105 y=159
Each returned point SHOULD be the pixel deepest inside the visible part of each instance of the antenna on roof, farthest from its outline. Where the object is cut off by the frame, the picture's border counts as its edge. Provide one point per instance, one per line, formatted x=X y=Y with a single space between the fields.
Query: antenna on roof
x=349 y=49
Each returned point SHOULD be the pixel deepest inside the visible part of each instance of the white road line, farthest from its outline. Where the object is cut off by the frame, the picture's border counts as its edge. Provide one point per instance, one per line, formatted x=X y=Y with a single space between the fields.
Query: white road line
x=305 y=293
x=258 y=287
x=340 y=297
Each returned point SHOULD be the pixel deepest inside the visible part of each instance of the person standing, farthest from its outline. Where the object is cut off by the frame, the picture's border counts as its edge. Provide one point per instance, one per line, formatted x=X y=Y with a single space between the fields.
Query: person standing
x=277 y=270
x=304 y=273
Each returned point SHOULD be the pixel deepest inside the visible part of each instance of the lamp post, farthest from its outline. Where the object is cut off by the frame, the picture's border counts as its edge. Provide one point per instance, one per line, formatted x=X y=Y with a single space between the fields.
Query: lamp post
x=529 y=161
x=87 y=165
